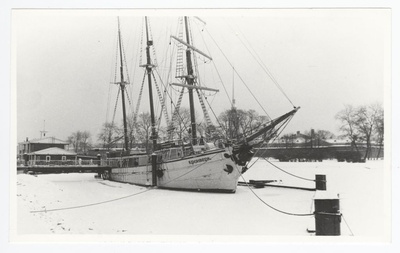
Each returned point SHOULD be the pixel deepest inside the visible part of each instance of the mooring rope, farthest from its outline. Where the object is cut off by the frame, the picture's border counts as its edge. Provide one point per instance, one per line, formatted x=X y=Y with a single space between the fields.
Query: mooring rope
x=259 y=198
x=265 y=203
x=307 y=179
x=284 y=125
x=92 y=204
x=347 y=225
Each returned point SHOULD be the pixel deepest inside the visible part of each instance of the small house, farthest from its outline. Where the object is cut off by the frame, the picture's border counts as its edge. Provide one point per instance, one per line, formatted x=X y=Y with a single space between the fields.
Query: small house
x=52 y=156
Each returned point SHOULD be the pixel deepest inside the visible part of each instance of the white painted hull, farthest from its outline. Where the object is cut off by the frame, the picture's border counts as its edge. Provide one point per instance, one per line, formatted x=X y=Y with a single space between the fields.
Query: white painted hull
x=210 y=171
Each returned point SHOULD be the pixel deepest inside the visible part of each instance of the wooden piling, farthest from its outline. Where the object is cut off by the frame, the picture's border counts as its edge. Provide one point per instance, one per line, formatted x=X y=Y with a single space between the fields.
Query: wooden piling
x=98 y=159
x=327 y=215
x=320 y=182
x=154 y=169
x=99 y=164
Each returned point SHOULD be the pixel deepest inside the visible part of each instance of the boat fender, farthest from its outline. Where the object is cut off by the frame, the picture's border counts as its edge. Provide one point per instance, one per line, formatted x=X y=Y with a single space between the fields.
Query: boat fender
x=106 y=175
x=160 y=173
x=242 y=154
x=228 y=169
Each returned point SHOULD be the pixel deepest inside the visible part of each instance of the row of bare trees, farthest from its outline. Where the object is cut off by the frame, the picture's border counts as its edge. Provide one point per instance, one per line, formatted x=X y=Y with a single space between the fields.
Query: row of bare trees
x=139 y=132
x=235 y=123
x=81 y=141
x=358 y=123
x=239 y=123
x=363 y=123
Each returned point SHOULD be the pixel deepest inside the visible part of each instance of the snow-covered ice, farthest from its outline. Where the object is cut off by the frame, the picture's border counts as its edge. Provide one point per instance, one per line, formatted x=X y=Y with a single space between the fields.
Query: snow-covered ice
x=102 y=207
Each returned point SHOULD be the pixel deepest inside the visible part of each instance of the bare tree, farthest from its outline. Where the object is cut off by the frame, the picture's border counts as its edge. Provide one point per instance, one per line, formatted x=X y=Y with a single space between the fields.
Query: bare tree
x=80 y=140
x=162 y=133
x=348 y=126
x=379 y=128
x=132 y=131
x=85 y=142
x=324 y=134
x=182 y=124
x=232 y=120
x=143 y=129
x=366 y=118
x=316 y=137
x=109 y=134
x=210 y=132
x=252 y=122
x=75 y=139
x=240 y=123
x=289 y=140
x=360 y=123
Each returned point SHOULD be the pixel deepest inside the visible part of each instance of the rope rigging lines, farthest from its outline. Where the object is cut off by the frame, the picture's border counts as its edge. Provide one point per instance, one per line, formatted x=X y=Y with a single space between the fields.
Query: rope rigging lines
x=240 y=77
x=115 y=107
x=115 y=78
x=275 y=134
x=219 y=75
x=135 y=115
x=260 y=62
x=162 y=100
x=162 y=96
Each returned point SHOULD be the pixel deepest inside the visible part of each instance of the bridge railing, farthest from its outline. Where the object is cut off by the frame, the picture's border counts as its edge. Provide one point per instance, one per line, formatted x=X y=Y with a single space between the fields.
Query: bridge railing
x=77 y=162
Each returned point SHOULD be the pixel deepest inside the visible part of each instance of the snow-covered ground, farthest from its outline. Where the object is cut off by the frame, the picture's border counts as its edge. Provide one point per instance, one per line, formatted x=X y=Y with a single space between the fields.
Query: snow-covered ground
x=101 y=207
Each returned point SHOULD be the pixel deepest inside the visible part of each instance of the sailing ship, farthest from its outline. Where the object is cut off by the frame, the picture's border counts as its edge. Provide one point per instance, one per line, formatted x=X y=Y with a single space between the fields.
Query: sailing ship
x=178 y=164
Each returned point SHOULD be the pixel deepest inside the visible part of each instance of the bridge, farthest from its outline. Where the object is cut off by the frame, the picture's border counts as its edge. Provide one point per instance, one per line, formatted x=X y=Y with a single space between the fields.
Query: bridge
x=63 y=166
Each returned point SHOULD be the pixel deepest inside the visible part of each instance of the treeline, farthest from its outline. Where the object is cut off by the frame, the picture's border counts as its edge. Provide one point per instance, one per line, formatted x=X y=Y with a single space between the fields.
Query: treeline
x=233 y=124
x=363 y=123
x=362 y=126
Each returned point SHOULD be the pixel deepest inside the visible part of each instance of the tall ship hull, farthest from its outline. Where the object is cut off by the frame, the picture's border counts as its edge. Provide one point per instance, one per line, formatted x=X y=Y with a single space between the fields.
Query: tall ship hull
x=213 y=170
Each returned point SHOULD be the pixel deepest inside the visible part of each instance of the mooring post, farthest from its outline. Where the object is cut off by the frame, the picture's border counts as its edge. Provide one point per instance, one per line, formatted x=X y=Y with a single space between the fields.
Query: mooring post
x=154 y=169
x=320 y=182
x=99 y=164
x=98 y=159
x=25 y=159
x=327 y=214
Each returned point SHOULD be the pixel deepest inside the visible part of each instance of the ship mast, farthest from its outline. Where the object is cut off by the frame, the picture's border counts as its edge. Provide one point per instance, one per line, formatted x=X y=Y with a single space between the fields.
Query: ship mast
x=122 y=85
x=149 y=69
x=190 y=81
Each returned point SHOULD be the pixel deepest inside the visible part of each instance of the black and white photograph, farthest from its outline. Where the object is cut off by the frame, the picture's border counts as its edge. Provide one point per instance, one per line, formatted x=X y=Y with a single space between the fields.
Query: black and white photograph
x=247 y=125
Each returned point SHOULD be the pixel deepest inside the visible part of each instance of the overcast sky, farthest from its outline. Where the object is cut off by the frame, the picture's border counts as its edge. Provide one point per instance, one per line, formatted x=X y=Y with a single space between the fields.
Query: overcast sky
x=322 y=59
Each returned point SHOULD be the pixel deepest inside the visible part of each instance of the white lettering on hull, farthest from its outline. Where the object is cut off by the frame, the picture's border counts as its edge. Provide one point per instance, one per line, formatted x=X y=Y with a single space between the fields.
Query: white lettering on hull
x=204 y=159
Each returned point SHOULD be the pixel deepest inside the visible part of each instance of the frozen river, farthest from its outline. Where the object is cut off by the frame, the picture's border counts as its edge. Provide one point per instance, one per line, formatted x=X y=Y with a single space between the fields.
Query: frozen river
x=79 y=204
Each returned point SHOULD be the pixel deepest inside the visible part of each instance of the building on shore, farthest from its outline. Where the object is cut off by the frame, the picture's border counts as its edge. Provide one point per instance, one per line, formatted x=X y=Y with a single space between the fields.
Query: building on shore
x=302 y=147
x=29 y=146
